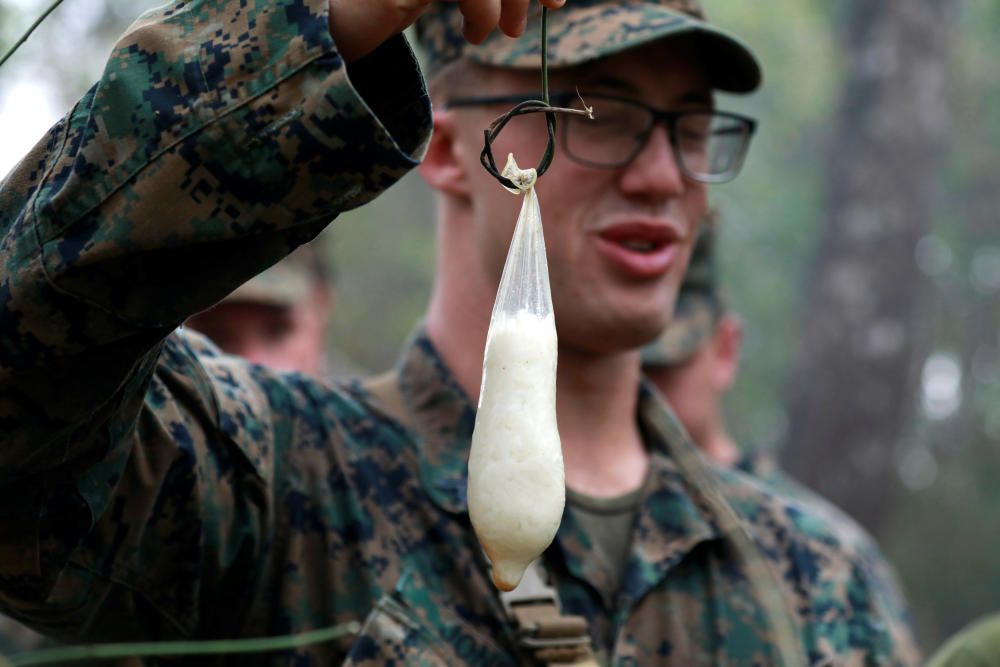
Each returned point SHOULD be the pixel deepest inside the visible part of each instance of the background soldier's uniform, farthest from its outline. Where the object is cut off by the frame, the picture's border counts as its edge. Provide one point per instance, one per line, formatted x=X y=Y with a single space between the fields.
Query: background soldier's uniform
x=699 y=308
x=151 y=488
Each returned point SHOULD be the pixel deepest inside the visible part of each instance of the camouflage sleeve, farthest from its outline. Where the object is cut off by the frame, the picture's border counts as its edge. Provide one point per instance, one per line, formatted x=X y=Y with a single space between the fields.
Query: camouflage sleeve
x=220 y=136
x=855 y=580
x=876 y=583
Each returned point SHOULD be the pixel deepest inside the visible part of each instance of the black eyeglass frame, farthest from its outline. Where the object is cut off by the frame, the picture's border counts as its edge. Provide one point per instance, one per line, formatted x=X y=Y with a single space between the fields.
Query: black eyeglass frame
x=667 y=116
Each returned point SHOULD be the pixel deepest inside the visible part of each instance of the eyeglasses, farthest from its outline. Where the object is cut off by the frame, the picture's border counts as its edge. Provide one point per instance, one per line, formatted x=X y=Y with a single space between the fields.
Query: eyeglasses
x=708 y=145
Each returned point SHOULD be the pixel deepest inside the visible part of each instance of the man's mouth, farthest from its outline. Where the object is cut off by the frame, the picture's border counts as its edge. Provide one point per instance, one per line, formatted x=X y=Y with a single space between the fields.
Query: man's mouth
x=639 y=249
x=639 y=245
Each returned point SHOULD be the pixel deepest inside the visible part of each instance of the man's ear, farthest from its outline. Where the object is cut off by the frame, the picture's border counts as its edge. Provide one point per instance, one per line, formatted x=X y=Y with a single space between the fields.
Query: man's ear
x=442 y=167
x=728 y=341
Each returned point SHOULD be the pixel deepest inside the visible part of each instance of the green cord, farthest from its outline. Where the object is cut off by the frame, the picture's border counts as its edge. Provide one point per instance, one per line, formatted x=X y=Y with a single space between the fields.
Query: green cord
x=550 y=118
x=58 y=656
x=530 y=106
x=21 y=41
x=545 y=55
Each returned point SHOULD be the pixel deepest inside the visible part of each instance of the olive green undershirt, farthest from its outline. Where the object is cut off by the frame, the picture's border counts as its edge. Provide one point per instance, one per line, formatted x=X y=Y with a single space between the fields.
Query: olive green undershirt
x=608 y=523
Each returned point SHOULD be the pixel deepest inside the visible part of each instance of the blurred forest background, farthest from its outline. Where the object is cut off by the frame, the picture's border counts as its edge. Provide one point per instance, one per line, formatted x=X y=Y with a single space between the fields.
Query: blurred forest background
x=861 y=244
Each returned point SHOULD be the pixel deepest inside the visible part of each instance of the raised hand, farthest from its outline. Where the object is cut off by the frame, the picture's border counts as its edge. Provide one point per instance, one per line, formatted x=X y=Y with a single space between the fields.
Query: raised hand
x=360 y=26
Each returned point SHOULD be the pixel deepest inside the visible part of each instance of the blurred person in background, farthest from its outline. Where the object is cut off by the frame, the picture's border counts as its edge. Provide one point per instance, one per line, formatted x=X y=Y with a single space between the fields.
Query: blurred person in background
x=279 y=318
x=695 y=362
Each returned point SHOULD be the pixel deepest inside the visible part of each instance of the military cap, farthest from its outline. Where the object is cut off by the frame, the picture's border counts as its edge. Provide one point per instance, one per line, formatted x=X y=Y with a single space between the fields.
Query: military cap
x=584 y=30
x=286 y=284
x=698 y=309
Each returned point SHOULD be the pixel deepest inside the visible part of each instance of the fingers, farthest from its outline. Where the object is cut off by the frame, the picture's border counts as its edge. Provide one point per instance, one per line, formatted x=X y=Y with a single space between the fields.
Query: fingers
x=481 y=16
x=513 y=17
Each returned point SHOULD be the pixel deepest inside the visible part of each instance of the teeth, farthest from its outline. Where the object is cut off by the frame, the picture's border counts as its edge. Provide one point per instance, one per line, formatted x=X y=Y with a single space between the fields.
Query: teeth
x=639 y=246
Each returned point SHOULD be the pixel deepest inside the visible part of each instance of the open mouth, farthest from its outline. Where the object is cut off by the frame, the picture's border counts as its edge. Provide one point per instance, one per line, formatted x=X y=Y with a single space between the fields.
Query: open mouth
x=639 y=249
x=639 y=245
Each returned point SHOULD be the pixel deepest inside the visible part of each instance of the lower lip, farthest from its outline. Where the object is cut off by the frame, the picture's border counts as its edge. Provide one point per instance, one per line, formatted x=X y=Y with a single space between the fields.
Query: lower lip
x=651 y=264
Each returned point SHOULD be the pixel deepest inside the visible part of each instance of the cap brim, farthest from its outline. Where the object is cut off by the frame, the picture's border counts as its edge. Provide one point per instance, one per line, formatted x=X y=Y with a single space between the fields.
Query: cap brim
x=579 y=35
x=281 y=285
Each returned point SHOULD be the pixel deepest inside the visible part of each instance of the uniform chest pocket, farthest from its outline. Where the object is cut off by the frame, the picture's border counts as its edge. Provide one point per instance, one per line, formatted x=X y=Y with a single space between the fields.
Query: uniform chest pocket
x=412 y=627
x=393 y=635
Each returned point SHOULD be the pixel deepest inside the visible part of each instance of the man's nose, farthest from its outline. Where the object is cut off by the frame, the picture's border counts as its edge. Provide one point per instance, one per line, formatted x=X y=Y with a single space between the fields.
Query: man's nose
x=654 y=173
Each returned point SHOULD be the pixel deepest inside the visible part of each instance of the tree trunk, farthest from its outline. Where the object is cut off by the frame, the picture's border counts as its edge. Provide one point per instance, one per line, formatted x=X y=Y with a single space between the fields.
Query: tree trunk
x=854 y=383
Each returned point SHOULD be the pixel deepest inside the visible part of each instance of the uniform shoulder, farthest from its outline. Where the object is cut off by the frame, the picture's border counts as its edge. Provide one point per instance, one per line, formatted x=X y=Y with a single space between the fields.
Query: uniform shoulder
x=253 y=403
x=833 y=567
x=757 y=499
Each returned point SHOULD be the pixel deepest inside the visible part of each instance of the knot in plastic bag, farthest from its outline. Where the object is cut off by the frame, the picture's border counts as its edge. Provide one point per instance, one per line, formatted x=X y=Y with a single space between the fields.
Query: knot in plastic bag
x=524 y=179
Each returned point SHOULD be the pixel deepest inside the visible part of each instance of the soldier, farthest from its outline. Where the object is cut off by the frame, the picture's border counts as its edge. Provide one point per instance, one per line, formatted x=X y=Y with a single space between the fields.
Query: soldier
x=279 y=318
x=152 y=488
x=694 y=363
x=695 y=360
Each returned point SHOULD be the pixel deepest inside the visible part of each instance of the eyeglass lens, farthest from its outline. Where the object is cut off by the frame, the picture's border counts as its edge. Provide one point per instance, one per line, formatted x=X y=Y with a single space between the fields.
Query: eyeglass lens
x=707 y=145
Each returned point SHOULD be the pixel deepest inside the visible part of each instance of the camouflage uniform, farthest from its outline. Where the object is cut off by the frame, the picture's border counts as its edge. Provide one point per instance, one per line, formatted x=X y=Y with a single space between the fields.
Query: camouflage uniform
x=700 y=305
x=152 y=488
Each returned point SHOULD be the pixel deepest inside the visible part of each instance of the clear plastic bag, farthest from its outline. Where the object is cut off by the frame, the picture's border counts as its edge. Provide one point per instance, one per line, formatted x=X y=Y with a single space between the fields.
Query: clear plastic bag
x=517 y=484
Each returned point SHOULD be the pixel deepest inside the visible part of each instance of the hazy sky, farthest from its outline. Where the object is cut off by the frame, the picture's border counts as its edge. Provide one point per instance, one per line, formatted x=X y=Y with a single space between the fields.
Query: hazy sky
x=25 y=111
x=50 y=69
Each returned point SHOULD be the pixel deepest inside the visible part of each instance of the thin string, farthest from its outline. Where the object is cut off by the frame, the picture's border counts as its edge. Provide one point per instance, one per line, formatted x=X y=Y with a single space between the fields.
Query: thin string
x=30 y=30
x=63 y=655
x=490 y=134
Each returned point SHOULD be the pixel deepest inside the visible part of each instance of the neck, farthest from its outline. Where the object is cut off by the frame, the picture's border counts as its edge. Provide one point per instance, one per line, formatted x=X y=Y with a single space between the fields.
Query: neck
x=458 y=315
x=596 y=402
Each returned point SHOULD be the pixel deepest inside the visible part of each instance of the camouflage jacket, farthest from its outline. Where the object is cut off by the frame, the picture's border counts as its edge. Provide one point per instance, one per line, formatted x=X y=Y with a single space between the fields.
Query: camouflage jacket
x=879 y=572
x=151 y=488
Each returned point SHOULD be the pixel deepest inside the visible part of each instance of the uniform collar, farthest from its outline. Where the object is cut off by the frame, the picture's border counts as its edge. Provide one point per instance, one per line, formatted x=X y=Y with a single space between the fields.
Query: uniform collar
x=672 y=517
x=442 y=417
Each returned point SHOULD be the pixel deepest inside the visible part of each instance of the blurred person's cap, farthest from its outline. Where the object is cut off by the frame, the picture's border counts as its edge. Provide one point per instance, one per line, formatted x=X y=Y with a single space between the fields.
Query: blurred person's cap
x=584 y=30
x=286 y=284
x=699 y=305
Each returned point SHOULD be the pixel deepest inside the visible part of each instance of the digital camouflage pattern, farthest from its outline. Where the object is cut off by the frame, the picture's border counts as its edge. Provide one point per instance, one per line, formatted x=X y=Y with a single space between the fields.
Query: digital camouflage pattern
x=882 y=577
x=696 y=316
x=587 y=29
x=152 y=488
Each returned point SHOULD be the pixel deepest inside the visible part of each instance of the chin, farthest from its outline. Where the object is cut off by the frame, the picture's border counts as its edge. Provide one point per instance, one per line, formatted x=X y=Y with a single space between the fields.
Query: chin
x=612 y=335
x=641 y=332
